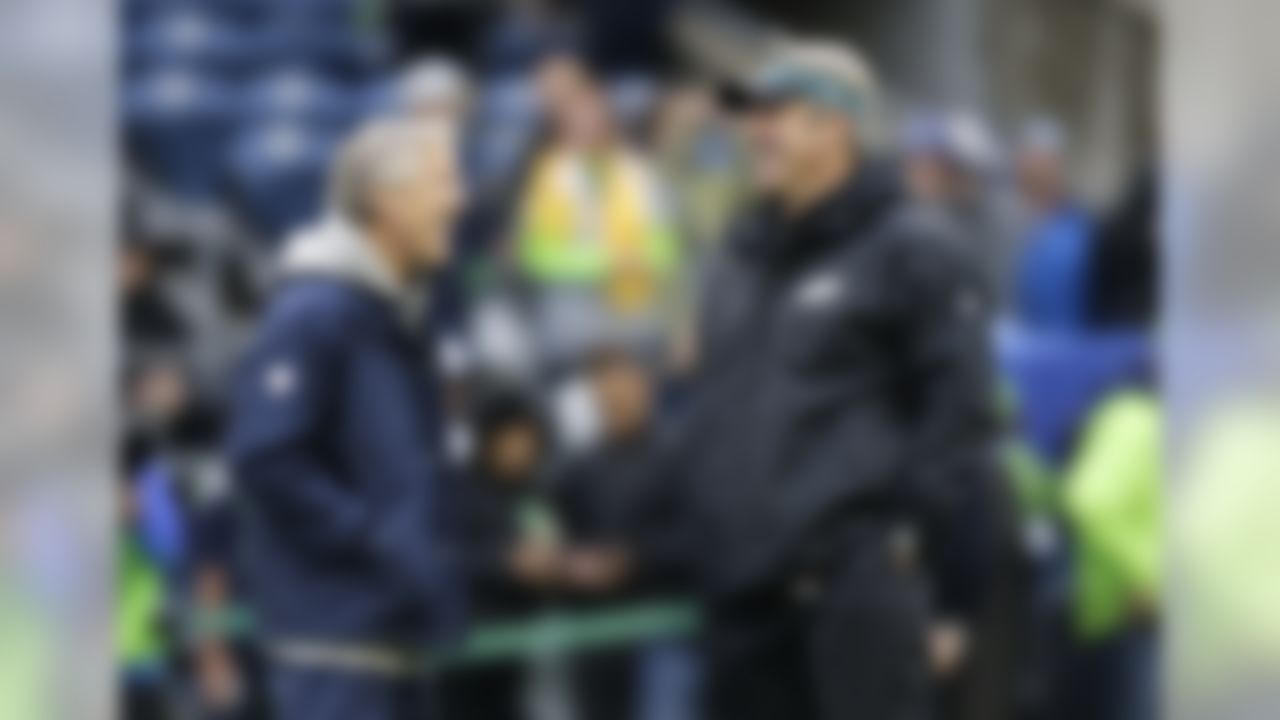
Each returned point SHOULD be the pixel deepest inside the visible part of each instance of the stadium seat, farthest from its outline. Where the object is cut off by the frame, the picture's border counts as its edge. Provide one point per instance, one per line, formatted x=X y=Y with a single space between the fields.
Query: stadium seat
x=508 y=117
x=136 y=12
x=353 y=55
x=300 y=95
x=335 y=48
x=247 y=12
x=177 y=126
x=276 y=175
x=380 y=97
x=244 y=12
x=343 y=13
x=191 y=38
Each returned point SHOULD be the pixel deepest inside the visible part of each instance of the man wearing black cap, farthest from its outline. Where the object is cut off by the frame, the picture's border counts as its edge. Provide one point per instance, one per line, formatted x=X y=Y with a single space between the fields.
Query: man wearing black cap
x=842 y=403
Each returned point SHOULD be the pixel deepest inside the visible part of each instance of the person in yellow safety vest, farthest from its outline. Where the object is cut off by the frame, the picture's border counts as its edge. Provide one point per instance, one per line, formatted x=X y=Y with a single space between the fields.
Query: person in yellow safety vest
x=1111 y=498
x=598 y=220
x=592 y=219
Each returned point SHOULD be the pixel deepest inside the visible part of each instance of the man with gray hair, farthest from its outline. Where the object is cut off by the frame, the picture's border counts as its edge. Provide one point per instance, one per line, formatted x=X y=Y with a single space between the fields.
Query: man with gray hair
x=335 y=440
x=842 y=405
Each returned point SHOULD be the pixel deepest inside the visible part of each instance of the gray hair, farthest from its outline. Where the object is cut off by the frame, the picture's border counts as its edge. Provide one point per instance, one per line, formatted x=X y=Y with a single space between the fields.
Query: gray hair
x=380 y=153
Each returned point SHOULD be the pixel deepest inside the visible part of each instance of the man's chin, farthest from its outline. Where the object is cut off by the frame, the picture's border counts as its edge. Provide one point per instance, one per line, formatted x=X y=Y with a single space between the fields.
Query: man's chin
x=432 y=259
x=432 y=264
x=767 y=192
x=767 y=185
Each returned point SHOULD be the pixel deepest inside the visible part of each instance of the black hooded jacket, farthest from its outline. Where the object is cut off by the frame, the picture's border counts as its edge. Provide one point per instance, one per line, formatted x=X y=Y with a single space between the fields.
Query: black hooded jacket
x=845 y=380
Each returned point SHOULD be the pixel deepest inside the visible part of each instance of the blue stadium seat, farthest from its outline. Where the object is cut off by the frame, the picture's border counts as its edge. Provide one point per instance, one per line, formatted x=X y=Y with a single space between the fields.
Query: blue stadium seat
x=139 y=11
x=335 y=48
x=194 y=39
x=277 y=174
x=301 y=95
x=344 y=13
x=236 y=11
x=247 y=12
x=351 y=54
x=178 y=124
x=508 y=118
x=380 y=97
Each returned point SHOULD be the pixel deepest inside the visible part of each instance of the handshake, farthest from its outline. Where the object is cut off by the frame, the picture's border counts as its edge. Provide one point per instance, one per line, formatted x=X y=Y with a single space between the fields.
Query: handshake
x=545 y=564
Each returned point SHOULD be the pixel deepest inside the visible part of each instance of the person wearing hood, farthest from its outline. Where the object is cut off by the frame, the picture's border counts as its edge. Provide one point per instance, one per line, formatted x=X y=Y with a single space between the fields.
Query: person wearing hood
x=842 y=401
x=335 y=441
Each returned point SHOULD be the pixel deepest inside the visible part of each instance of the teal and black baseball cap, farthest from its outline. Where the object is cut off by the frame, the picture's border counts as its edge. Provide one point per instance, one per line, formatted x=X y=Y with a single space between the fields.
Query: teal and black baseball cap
x=826 y=75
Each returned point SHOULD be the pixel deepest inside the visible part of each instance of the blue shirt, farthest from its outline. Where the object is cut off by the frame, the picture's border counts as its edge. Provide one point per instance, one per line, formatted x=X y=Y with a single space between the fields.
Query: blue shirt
x=1052 y=287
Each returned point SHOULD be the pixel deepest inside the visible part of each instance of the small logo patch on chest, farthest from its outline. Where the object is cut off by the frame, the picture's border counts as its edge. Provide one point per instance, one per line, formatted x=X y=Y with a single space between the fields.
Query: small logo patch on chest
x=819 y=291
x=280 y=380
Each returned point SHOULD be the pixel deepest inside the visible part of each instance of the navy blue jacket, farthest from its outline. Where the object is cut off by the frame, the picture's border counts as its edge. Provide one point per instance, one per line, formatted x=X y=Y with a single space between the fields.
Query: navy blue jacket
x=335 y=446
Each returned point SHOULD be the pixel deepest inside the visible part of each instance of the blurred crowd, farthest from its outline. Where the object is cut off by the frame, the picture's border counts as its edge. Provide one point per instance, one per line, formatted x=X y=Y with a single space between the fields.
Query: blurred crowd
x=601 y=176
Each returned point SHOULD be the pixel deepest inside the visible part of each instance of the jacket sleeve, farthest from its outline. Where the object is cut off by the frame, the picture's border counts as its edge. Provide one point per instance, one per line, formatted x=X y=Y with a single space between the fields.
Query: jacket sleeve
x=662 y=528
x=488 y=540
x=485 y=562
x=283 y=393
x=949 y=400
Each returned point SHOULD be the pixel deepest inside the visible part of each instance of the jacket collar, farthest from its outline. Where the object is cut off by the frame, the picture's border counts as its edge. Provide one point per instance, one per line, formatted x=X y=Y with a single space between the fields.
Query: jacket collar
x=335 y=248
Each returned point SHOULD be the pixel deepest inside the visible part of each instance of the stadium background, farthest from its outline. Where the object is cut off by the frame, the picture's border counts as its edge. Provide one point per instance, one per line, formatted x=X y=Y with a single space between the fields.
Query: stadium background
x=230 y=110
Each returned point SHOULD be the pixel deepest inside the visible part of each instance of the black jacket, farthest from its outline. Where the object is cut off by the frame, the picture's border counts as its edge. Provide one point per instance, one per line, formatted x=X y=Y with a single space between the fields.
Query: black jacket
x=845 y=380
x=491 y=520
x=617 y=495
x=1124 y=266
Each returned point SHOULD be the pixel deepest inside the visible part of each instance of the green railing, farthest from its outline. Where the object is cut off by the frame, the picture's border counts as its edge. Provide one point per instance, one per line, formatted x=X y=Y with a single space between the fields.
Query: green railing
x=551 y=633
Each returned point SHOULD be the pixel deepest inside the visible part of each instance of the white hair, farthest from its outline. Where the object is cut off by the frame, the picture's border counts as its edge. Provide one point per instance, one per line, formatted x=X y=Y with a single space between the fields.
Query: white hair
x=380 y=153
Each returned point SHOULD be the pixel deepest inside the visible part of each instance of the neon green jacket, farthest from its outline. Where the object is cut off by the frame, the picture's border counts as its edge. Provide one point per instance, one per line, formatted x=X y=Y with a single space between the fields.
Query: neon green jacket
x=141 y=601
x=1112 y=501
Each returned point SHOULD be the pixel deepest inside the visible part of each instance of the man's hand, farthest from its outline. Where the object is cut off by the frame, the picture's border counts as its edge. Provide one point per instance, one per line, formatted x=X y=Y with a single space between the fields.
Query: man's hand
x=596 y=569
x=948 y=647
x=535 y=562
x=217 y=677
